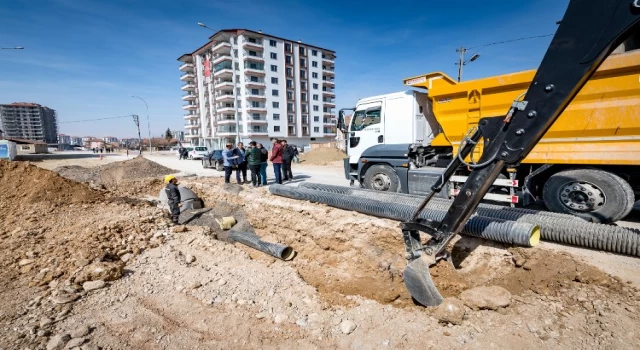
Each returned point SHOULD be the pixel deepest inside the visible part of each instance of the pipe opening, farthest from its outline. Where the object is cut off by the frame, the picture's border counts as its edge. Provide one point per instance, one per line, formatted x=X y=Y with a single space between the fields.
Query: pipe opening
x=535 y=236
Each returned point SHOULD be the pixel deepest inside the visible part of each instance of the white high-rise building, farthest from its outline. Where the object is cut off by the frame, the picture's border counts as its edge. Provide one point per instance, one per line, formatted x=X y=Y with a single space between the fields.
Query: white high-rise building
x=244 y=85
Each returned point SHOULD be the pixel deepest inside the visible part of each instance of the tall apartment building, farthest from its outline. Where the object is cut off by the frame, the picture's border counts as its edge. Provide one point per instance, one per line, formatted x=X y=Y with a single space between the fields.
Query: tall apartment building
x=29 y=121
x=245 y=85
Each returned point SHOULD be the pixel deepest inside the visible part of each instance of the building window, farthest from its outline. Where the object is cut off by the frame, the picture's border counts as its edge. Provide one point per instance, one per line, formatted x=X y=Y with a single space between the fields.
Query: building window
x=303 y=62
x=256 y=116
x=237 y=65
x=304 y=108
x=274 y=92
x=276 y=116
x=316 y=129
x=303 y=85
x=274 y=56
x=303 y=96
x=302 y=50
x=303 y=74
x=315 y=86
x=290 y=95
x=314 y=52
x=253 y=53
x=255 y=104
x=275 y=104
x=276 y=128
x=290 y=118
x=273 y=43
x=315 y=97
x=305 y=130
x=274 y=80
x=289 y=72
x=314 y=64
x=253 y=79
x=316 y=119
x=235 y=53
x=288 y=59
x=274 y=68
x=316 y=108
x=291 y=130
x=289 y=84
x=255 y=92
x=314 y=75
x=287 y=47
x=289 y=107
x=305 y=119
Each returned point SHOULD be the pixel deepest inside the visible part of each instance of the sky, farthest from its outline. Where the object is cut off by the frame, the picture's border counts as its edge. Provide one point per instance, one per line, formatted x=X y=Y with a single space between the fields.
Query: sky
x=85 y=58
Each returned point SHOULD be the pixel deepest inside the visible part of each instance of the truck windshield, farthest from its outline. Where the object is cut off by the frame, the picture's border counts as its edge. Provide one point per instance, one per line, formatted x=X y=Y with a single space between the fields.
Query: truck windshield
x=363 y=118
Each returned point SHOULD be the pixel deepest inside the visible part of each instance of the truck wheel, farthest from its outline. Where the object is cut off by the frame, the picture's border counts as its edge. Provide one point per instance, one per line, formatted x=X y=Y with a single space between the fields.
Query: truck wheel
x=592 y=194
x=382 y=178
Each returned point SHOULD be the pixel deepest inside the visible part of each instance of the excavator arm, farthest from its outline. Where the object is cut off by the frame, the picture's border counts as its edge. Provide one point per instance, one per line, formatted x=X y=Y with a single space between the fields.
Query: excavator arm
x=588 y=33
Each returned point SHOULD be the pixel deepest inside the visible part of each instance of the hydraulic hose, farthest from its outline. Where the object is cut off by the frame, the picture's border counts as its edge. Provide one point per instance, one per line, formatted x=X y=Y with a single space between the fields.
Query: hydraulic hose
x=560 y=228
x=276 y=250
x=510 y=232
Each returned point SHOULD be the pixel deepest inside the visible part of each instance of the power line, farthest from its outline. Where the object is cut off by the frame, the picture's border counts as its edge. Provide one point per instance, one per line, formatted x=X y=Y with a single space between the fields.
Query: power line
x=91 y=120
x=510 y=41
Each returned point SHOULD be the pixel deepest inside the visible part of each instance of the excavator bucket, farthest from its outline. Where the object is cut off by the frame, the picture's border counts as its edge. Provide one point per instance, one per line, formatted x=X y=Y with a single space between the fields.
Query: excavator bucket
x=418 y=281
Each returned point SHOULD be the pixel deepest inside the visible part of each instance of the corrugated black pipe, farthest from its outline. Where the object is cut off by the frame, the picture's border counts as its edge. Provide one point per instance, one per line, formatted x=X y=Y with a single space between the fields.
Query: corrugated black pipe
x=559 y=229
x=276 y=250
x=509 y=232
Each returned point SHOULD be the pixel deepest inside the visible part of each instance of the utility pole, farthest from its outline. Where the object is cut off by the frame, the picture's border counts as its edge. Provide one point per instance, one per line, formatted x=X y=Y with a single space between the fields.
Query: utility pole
x=136 y=120
x=461 y=63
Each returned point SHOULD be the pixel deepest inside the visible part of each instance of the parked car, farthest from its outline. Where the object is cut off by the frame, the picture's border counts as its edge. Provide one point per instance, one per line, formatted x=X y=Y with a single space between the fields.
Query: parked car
x=213 y=160
x=198 y=152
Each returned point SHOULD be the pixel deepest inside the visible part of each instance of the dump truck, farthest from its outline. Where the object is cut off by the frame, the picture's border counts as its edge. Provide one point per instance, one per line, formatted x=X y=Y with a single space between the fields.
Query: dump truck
x=587 y=164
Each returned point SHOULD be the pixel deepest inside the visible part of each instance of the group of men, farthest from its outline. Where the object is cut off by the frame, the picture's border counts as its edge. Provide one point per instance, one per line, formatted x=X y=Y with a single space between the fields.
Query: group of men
x=256 y=158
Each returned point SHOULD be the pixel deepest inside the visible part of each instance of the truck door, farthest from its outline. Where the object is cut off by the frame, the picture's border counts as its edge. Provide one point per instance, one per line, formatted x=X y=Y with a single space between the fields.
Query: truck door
x=365 y=129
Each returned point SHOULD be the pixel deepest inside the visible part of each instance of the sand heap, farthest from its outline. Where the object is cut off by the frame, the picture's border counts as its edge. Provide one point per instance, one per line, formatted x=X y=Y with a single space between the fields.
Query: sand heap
x=322 y=156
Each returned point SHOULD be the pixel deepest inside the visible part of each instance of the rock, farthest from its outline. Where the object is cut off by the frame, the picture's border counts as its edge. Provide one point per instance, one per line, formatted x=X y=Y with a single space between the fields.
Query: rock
x=189 y=259
x=527 y=265
x=89 y=347
x=58 y=341
x=64 y=298
x=75 y=342
x=45 y=322
x=80 y=331
x=178 y=229
x=222 y=282
x=451 y=310
x=25 y=262
x=43 y=333
x=261 y=315
x=106 y=271
x=347 y=327
x=533 y=328
x=126 y=257
x=280 y=318
x=491 y=298
x=196 y=285
x=93 y=285
x=301 y=322
x=518 y=260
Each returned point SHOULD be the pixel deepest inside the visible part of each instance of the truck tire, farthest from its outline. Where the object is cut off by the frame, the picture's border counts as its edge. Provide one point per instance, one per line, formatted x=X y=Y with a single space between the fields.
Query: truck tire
x=382 y=178
x=592 y=194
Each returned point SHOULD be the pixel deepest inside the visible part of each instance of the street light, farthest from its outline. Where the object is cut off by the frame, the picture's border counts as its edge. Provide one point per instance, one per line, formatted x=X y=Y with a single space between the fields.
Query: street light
x=12 y=48
x=235 y=103
x=148 y=123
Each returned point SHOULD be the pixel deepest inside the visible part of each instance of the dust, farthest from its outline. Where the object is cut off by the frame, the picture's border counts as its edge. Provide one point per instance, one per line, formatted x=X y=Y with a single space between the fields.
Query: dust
x=322 y=156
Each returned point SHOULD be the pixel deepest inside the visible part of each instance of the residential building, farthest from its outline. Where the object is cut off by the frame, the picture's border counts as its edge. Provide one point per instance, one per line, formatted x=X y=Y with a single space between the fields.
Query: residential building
x=178 y=135
x=76 y=141
x=64 y=139
x=29 y=121
x=110 y=139
x=245 y=85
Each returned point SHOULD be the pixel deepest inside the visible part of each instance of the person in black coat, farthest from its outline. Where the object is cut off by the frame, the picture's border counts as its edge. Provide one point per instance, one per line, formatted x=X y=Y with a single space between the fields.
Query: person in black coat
x=287 y=156
x=173 y=197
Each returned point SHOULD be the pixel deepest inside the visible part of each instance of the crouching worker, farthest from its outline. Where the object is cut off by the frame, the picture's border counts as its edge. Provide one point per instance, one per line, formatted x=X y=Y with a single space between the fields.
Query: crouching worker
x=173 y=197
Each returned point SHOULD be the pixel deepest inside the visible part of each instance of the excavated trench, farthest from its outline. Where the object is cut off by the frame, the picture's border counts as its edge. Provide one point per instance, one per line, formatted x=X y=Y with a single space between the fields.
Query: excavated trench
x=343 y=253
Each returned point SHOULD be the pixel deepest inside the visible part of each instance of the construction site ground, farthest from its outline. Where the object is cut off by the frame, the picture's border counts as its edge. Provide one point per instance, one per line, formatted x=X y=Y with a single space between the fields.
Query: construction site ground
x=95 y=264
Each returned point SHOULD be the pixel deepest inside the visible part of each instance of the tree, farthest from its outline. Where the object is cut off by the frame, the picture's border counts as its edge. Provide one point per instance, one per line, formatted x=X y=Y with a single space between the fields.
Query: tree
x=168 y=135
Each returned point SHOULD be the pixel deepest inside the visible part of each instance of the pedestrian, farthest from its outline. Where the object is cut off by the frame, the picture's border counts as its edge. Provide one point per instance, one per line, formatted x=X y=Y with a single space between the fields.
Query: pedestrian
x=253 y=158
x=296 y=156
x=276 y=159
x=242 y=161
x=229 y=161
x=127 y=153
x=180 y=152
x=264 y=157
x=287 y=156
x=173 y=197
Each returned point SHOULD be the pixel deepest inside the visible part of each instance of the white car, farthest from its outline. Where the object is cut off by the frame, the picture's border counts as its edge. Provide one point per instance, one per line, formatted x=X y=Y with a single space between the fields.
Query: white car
x=198 y=152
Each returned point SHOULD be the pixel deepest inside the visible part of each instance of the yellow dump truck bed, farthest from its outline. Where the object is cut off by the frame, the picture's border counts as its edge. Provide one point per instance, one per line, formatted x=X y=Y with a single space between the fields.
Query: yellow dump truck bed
x=600 y=126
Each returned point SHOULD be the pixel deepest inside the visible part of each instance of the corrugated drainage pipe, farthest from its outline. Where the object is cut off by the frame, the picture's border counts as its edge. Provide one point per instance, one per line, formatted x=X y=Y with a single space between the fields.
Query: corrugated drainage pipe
x=276 y=250
x=509 y=232
x=556 y=228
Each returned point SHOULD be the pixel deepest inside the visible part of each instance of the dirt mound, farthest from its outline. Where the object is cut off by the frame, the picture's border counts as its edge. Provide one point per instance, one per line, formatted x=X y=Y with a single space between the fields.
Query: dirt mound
x=23 y=184
x=322 y=156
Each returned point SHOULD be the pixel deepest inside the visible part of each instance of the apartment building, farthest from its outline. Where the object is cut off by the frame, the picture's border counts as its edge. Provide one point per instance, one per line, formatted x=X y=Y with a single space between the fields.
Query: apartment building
x=110 y=139
x=178 y=135
x=29 y=121
x=64 y=139
x=245 y=85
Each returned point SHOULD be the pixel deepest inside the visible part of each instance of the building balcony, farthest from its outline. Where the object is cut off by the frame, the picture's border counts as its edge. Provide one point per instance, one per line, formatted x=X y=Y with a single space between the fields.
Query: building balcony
x=191 y=116
x=329 y=103
x=188 y=87
x=223 y=73
x=262 y=121
x=328 y=71
x=190 y=107
x=254 y=71
x=257 y=97
x=191 y=126
x=188 y=77
x=189 y=97
x=250 y=83
x=221 y=47
x=192 y=136
x=225 y=109
x=224 y=97
x=327 y=58
x=327 y=91
x=226 y=121
x=221 y=58
x=223 y=84
x=256 y=58
x=187 y=67
x=250 y=108
x=256 y=45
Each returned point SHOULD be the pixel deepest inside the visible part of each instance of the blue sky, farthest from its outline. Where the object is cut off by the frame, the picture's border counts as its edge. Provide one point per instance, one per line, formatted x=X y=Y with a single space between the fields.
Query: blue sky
x=85 y=57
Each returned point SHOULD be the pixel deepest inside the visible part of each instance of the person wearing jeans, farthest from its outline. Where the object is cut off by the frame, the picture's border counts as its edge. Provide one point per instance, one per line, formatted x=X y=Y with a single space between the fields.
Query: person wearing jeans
x=264 y=157
x=242 y=161
x=287 y=156
x=276 y=159
x=253 y=159
x=228 y=162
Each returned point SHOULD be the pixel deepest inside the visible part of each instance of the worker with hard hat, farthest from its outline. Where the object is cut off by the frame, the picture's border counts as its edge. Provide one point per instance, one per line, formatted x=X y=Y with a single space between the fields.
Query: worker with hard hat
x=173 y=197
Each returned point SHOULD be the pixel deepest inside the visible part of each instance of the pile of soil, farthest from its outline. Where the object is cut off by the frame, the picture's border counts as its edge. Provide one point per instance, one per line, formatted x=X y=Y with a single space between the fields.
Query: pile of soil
x=322 y=156
x=112 y=174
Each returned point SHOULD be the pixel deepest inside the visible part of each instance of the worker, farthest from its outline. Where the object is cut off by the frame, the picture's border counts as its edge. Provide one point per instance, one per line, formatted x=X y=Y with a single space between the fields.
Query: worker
x=173 y=197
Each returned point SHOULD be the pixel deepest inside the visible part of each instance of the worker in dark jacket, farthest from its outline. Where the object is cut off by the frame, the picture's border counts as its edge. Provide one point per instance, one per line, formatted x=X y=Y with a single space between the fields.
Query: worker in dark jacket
x=254 y=156
x=276 y=159
x=264 y=157
x=173 y=197
x=287 y=157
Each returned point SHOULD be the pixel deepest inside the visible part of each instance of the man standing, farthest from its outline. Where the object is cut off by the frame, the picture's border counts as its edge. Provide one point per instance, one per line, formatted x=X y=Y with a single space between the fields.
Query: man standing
x=253 y=158
x=264 y=157
x=287 y=155
x=276 y=159
x=229 y=160
x=242 y=161
x=173 y=197
x=180 y=152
